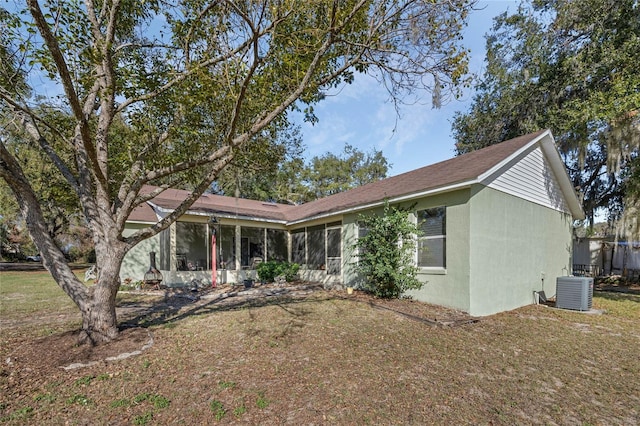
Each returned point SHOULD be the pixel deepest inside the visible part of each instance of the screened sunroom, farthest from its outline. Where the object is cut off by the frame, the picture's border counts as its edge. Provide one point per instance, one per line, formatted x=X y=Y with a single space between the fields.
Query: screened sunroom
x=185 y=250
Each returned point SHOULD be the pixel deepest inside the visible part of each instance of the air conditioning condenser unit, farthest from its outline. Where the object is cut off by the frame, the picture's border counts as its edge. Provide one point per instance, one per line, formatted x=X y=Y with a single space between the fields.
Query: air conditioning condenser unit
x=574 y=293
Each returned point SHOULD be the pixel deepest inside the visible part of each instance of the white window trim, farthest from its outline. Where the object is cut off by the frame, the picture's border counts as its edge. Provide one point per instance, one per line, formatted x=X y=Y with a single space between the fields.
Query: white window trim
x=430 y=270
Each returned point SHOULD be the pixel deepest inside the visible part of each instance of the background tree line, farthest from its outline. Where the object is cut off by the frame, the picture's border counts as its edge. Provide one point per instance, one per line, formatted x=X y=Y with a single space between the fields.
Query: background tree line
x=572 y=67
x=294 y=180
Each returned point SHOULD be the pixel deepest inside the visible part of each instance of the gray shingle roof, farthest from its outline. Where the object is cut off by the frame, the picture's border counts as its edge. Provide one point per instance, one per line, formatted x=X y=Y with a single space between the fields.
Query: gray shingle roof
x=210 y=203
x=461 y=169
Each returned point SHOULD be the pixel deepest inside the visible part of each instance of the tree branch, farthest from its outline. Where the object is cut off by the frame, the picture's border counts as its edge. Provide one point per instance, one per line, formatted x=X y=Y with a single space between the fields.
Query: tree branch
x=67 y=84
x=181 y=77
x=148 y=232
x=53 y=258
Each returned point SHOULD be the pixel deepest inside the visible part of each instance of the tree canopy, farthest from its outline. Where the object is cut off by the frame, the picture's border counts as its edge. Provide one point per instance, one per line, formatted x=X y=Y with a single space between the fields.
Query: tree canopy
x=258 y=171
x=285 y=177
x=195 y=83
x=330 y=174
x=571 y=67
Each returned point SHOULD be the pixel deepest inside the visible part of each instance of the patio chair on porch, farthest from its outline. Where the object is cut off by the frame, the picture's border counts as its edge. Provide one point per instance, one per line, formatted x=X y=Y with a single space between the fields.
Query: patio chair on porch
x=255 y=262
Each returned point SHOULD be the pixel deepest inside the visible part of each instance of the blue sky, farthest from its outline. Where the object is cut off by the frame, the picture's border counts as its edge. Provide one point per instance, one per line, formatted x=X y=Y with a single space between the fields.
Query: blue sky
x=361 y=116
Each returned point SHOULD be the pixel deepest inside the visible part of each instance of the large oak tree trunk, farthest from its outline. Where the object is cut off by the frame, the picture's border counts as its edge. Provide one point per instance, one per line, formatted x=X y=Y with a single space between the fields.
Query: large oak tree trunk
x=97 y=303
x=99 y=320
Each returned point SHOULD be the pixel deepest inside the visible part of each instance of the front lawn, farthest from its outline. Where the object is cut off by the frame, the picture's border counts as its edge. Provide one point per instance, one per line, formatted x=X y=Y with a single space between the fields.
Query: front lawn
x=326 y=358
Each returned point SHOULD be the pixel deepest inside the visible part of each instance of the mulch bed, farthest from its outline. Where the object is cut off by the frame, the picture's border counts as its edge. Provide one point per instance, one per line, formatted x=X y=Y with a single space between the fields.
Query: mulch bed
x=62 y=350
x=434 y=315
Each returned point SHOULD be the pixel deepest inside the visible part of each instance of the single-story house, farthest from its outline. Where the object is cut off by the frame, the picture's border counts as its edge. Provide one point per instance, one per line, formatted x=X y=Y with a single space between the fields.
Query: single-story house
x=497 y=228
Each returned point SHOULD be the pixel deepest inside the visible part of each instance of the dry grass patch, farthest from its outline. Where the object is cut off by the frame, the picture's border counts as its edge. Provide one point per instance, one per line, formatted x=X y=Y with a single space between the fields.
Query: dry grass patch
x=326 y=359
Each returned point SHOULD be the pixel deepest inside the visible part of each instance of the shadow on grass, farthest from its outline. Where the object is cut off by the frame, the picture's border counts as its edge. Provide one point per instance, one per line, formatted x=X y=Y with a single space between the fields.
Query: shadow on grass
x=184 y=305
x=181 y=306
x=618 y=295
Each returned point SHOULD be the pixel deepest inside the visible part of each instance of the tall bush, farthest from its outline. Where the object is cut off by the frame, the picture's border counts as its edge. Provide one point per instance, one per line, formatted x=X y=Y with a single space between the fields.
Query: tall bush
x=386 y=253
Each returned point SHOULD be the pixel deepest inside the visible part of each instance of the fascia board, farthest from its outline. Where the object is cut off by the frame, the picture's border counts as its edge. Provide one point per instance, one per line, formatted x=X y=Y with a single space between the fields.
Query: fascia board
x=141 y=222
x=250 y=218
x=557 y=165
x=224 y=215
x=398 y=199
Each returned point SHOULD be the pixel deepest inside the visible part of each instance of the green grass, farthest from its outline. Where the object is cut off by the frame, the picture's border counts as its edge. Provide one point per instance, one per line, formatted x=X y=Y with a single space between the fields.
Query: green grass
x=239 y=410
x=223 y=384
x=118 y=403
x=45 y=397
x=143 y=419
x=261 y=401
x=27 y=292
x=158 y=401
x=618 y=304
x=79 y=399
x=20 y=414
x=218 y=410
x=84 y=381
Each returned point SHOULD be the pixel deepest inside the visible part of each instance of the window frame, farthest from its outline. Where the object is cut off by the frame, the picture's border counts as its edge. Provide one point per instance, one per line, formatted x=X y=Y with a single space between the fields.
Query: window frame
x=334 y=263
x=419 y=239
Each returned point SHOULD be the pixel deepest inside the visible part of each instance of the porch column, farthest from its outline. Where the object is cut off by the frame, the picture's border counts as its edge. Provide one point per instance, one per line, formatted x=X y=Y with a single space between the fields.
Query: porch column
x=238 y=249
x=172 y=247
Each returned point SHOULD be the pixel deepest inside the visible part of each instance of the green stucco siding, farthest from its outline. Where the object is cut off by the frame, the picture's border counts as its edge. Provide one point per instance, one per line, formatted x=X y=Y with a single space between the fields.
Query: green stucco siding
x=448 y=286
x=136 y=262
x=517 y=247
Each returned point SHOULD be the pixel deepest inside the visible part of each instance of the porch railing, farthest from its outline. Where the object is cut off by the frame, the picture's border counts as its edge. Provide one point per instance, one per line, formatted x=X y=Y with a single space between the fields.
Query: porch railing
x=581 y=270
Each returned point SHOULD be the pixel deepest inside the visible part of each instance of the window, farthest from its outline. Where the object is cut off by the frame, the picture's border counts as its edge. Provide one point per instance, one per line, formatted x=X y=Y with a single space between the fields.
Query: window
x=432 y=244
x=164 y=260
x=226 y=247
x=298 y=247
x=334 y=253
x=277 y=245
x=251 y=246
x=363 y=231
x=315 y=239
x=318 y=247
x=191 y=246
